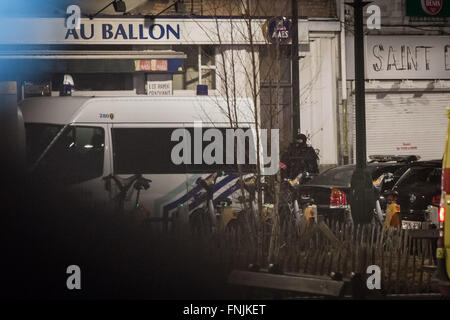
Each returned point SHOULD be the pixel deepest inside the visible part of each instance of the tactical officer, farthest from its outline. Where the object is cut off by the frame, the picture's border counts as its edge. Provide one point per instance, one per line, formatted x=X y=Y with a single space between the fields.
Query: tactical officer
x=299 y=158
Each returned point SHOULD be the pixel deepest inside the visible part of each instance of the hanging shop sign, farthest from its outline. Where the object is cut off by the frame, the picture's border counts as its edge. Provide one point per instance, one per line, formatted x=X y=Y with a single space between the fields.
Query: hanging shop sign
x=278 y=30
x=159 y=65
x=427 y=8
x=151 y=65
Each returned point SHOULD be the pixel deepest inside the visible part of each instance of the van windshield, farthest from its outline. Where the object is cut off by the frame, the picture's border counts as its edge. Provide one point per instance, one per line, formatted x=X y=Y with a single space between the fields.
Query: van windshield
x=76 y=156
x=38 y=137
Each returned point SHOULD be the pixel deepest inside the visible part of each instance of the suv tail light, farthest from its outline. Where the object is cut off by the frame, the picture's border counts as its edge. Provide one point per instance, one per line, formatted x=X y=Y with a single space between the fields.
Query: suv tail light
x=338 y=199
x=441 y=214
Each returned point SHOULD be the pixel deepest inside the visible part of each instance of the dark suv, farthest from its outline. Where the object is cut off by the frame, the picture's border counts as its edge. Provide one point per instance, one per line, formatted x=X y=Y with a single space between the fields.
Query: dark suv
x=330 y=190
x=419 y=187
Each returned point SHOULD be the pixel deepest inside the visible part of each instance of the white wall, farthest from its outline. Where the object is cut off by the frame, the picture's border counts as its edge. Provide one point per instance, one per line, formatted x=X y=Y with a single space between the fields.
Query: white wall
x=318 y=97
x=318 y=89
x=238 y=60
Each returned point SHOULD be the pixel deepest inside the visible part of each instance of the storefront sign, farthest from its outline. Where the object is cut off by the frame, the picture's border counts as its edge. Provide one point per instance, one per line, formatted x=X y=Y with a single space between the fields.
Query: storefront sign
x=107 y=31
x=151 y=65
x=167 y=31
x=427 y=8
x=405 y=57
x=159 y=88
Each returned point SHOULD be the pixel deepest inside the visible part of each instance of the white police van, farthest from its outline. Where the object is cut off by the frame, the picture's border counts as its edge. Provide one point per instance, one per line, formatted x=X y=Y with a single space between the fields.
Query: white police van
x=80 y=141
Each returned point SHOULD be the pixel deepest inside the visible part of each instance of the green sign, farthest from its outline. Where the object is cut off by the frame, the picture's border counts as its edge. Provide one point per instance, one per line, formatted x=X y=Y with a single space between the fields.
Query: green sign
x=428 y=8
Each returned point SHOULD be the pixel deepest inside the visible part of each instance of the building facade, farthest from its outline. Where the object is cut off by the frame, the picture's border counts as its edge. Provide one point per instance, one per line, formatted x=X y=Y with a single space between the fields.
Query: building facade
x=156 y=48
x=407 y=80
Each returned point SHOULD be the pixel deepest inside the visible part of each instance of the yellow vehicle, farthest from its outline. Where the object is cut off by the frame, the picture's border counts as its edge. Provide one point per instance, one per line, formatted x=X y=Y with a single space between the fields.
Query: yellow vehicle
x=443 y=247
x=392 y=214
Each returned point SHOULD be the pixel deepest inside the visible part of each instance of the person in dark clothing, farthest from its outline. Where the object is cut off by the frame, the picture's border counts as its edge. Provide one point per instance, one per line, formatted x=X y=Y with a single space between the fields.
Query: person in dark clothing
x=299 y=158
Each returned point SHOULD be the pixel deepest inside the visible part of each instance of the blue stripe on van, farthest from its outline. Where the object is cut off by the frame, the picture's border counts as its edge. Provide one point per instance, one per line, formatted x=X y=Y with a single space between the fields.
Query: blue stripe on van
x=228 y=191
x=181 y=188
x=231 y=189
x=193 y=192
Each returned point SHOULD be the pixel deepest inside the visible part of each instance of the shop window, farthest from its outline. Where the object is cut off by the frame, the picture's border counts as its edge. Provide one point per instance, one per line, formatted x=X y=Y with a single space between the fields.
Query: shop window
x=199 y=68
x=275 y=75
x=37 y=88
x=275 y=65
x=97 y=81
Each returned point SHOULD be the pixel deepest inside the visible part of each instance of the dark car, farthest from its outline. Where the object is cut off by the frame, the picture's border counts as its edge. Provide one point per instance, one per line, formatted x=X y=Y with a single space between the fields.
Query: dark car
x=330 y=189
x=419 y=187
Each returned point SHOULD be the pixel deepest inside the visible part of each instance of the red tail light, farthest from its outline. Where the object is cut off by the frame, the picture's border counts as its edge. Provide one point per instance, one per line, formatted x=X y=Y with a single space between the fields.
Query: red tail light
x=338 y=199
x=441 y=214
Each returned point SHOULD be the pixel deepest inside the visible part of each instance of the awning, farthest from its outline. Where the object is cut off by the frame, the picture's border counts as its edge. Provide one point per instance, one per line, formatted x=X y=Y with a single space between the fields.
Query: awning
x=88 y=55
x=86 y=61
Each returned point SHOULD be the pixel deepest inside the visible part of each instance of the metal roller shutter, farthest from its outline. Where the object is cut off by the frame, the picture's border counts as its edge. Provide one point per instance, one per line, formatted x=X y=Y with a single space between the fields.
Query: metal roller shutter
x=408 y=123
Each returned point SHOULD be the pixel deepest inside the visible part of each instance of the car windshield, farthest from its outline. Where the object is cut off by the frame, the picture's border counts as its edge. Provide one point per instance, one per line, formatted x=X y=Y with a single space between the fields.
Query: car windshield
x=420 y=175
x=340 y=176
x=38 y=137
